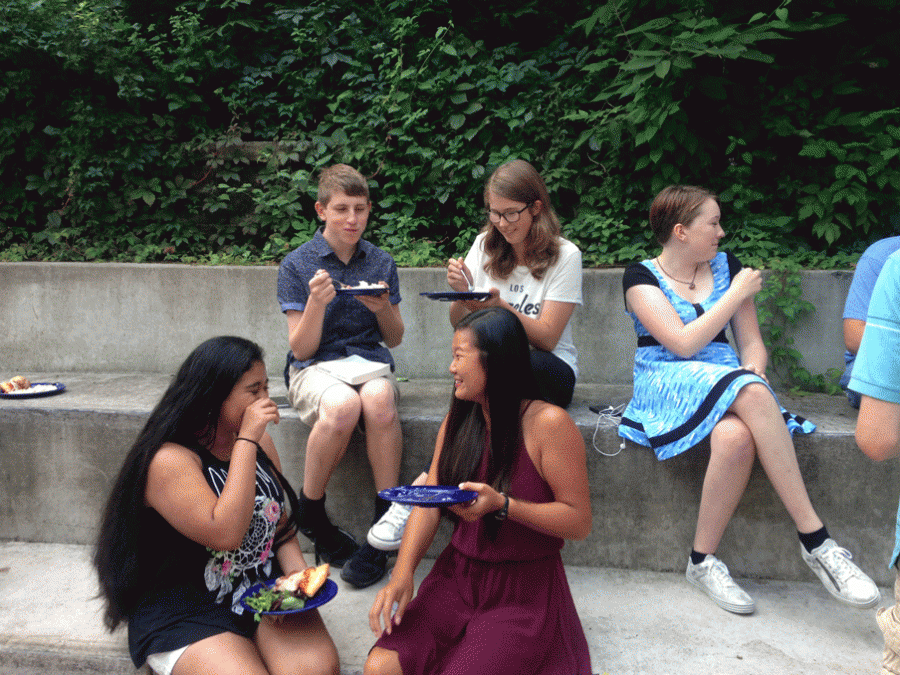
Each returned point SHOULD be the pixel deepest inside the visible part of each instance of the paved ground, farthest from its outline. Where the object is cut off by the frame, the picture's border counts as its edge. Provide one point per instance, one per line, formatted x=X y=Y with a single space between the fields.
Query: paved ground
x=636 y=623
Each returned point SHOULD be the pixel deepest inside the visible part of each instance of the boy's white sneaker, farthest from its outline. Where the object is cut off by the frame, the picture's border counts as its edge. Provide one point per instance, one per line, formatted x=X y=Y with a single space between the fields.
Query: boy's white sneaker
x=842 y=578
x=712 y=577
x=387 y=533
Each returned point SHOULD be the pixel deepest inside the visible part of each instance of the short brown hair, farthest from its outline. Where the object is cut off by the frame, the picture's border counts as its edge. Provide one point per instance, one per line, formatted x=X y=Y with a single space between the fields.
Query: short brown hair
x=676 y=204
x=341 y=177
x=519 y=181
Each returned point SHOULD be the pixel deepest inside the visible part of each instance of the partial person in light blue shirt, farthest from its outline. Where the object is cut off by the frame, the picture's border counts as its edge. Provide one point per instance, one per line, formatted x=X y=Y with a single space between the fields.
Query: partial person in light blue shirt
x=857 y=305
x=876 y=376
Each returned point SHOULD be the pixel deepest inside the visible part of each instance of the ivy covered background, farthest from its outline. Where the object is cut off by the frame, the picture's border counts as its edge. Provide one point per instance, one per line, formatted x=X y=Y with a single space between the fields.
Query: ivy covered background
x=139 y=131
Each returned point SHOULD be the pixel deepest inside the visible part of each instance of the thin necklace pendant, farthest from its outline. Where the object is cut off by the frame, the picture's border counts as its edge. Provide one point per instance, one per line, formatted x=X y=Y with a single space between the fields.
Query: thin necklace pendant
x=690 y=284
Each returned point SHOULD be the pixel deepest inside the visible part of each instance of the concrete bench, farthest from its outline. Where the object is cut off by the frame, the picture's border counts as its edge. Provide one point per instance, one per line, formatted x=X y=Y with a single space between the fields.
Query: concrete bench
x=147 y=318
x=636 y=623
x=114 y=334
x=62 y=452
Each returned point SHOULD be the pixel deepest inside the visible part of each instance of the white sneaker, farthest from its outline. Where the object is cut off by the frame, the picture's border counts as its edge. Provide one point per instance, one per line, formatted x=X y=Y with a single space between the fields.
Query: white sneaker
x=843 y=579
x=712 y=577
x=387 y=533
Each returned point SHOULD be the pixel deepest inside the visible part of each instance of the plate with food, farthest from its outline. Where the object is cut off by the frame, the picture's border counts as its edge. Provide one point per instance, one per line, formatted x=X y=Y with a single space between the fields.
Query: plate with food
x=428 y=495
x=298 y=592
x=362 y=288
x=20 y=387
x=449 y=296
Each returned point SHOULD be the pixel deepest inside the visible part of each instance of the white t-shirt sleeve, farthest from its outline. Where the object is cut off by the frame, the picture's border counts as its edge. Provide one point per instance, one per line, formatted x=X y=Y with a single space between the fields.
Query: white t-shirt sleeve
x=564 y=284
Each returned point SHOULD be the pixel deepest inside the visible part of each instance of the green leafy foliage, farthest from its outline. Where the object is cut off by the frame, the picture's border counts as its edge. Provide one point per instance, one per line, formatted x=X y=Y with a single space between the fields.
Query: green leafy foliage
x=193 y=131
x=780 y=305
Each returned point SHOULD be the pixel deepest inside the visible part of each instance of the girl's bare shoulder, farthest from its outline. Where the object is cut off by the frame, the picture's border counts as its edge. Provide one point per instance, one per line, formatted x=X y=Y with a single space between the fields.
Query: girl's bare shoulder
x=541 y=417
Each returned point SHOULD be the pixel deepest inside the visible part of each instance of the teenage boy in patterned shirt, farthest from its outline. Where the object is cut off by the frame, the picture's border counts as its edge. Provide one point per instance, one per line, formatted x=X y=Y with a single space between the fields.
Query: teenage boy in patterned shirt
x=324 y=326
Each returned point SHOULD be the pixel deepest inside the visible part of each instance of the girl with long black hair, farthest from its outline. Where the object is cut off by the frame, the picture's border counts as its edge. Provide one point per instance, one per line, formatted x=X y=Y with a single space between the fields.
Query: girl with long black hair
x=198 y=513
x=497 y=599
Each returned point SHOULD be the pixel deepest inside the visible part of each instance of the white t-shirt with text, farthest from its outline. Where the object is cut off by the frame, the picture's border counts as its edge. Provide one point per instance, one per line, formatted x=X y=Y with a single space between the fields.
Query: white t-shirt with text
x=561 y=282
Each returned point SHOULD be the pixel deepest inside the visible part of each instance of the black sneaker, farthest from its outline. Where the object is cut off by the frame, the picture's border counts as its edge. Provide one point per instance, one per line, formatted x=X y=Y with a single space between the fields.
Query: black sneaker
x=366 y=567
x=334 y=546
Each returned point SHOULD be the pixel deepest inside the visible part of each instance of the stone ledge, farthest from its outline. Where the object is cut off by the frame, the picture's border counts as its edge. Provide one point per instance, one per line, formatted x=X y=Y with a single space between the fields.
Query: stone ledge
x=62 y=452
x=636 y=623
x=148 y=317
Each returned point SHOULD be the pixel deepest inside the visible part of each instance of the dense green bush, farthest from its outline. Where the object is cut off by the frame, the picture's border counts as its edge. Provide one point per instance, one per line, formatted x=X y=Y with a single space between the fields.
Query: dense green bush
x=191 y=131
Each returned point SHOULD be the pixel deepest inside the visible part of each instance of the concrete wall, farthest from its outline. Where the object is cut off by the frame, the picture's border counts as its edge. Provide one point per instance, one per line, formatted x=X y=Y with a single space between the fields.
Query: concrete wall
x=147 y=318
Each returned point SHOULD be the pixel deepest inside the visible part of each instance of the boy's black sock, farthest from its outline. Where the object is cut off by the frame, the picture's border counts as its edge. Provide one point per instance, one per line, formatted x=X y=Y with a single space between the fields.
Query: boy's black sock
x=381 y=507
x=697 y=558
x=312 y=516
x=813 y=540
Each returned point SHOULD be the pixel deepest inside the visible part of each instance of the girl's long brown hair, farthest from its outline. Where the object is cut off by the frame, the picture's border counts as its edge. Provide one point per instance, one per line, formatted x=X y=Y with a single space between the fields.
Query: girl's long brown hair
x=519 y=181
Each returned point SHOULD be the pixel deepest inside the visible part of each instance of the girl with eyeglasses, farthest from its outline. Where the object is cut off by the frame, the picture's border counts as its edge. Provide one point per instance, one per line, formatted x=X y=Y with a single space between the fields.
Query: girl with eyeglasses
x=520 y=257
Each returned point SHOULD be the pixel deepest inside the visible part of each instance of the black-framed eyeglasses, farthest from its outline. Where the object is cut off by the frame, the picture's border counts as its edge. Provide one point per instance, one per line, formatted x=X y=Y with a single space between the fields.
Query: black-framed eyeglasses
x=511 y=216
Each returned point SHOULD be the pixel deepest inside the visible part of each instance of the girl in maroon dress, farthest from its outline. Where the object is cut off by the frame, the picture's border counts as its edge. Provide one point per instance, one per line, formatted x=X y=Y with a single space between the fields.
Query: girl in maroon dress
x=497 y=599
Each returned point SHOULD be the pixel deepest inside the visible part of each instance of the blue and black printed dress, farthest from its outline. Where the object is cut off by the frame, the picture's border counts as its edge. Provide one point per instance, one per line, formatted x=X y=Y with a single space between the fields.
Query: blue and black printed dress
x=677 y=401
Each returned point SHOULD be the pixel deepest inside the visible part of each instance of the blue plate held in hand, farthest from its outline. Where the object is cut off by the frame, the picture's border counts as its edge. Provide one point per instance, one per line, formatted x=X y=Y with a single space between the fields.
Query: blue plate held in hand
x=368 y=290
x=325 y=594
x=456 y=295
x=428 y=495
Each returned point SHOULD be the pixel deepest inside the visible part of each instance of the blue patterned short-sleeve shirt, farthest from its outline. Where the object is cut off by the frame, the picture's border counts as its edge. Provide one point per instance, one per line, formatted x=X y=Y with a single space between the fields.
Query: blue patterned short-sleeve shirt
x=348 y=327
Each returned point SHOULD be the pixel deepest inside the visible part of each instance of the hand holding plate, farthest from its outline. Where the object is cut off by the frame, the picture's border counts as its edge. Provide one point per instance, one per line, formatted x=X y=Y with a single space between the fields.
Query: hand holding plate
x=475 y=305
x=376 y=303
x=487 y=501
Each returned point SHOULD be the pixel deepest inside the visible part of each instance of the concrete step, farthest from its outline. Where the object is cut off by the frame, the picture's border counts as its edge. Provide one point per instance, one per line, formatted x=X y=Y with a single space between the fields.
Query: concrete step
x=62 y=453
x=636 y=623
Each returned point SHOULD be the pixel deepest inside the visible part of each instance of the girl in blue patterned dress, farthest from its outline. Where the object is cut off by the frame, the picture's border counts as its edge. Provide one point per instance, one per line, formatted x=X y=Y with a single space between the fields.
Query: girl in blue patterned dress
x=689 y=384
x=197 y=514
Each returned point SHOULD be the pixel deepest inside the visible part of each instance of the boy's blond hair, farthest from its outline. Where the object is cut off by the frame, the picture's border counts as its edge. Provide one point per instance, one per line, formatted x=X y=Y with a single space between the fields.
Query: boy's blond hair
x=344 y=178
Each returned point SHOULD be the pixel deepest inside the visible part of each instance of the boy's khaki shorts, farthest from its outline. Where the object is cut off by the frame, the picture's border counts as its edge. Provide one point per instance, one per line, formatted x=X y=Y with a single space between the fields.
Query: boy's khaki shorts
x=307 y=386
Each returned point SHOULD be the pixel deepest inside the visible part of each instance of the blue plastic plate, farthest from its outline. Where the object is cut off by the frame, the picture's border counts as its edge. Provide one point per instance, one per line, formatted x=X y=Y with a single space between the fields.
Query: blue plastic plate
x=58 y=387
x=362 y=291
x=325 y=594
x=456 y=295
x=427 y=495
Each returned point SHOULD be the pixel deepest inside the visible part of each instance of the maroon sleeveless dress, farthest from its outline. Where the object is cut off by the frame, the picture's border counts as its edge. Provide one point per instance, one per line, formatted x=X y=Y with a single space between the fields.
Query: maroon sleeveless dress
x=495 y=606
